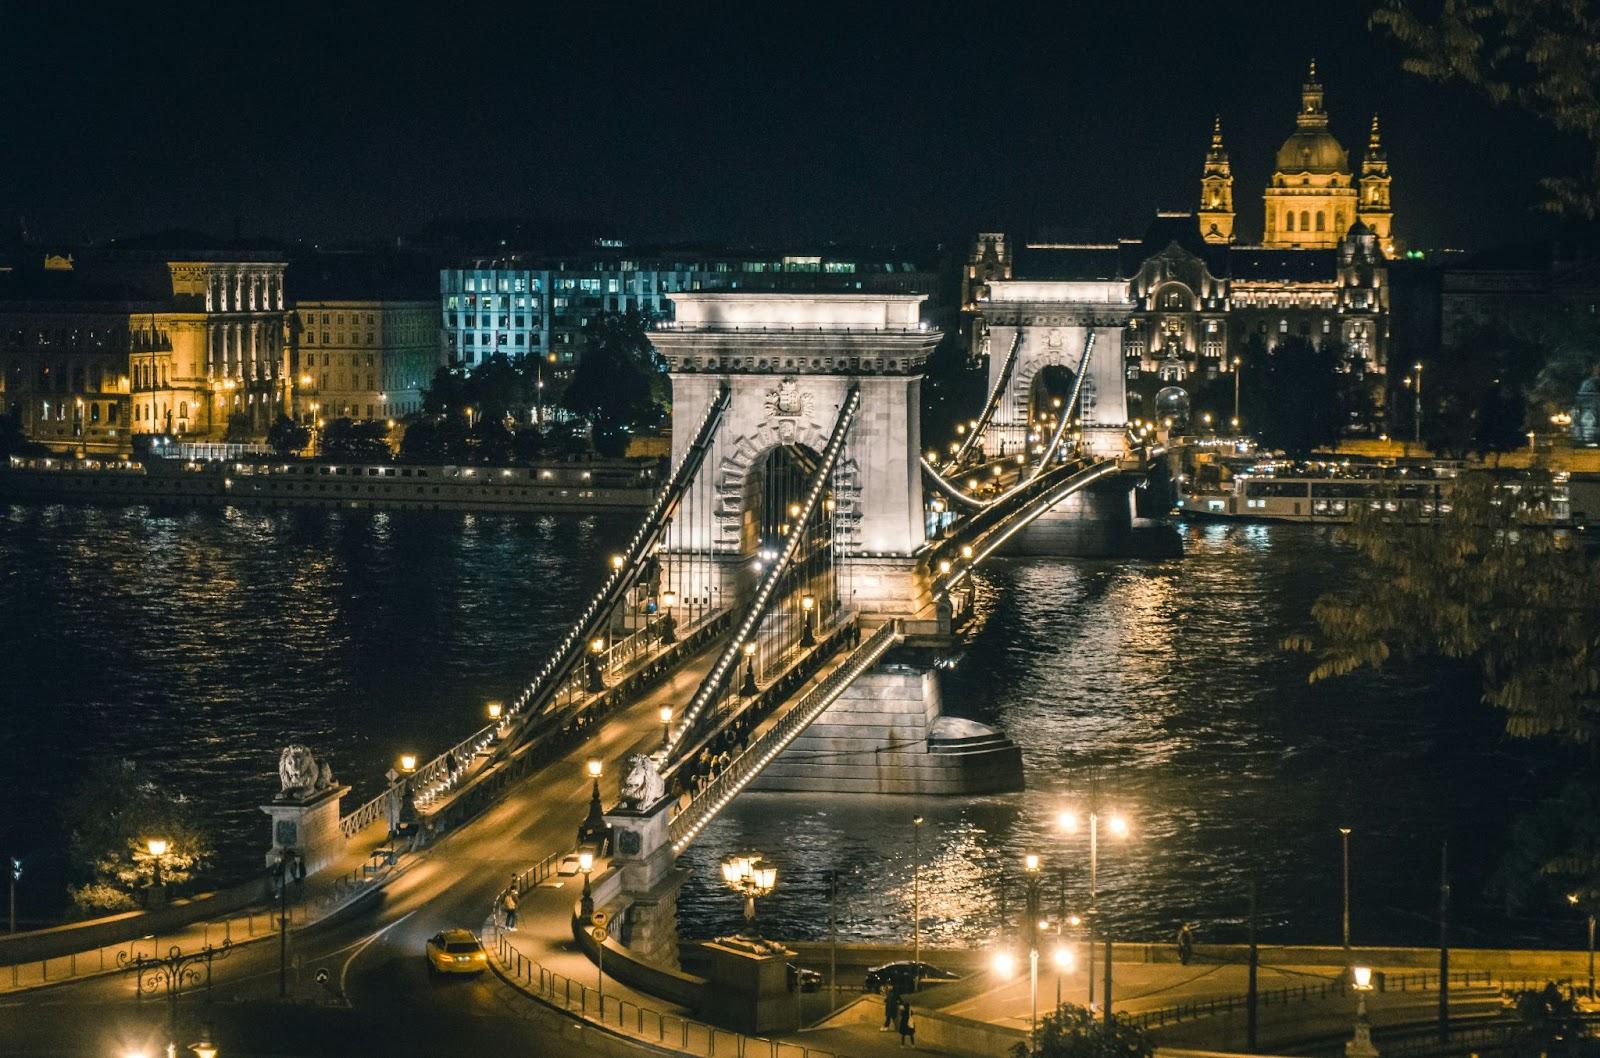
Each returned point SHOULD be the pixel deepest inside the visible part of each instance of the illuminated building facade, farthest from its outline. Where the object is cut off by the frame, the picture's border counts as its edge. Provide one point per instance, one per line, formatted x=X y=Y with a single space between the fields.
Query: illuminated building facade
x=363 y=358
x=138 y=341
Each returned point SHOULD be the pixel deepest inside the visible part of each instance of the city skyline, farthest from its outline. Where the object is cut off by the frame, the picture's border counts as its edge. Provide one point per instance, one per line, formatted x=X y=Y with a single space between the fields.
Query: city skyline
x=894 y=124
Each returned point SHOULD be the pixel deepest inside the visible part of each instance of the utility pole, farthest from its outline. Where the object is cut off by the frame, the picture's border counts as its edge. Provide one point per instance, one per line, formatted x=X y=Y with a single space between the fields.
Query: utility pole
x=1344 y=842
x=1250 y=1004
x=16 y=876
x=1107 y=996
x=1444 y=941
x=916 y=899
x=1416 y=418
x=833 y=940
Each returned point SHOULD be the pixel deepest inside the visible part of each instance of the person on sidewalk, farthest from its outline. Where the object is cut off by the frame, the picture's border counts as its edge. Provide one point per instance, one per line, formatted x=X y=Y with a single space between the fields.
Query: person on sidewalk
x=891 y=1006
x=908 y=1031
x=508 y=905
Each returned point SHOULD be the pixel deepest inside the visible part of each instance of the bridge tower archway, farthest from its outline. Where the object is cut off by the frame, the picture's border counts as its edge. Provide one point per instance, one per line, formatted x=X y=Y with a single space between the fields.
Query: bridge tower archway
x=790 y=361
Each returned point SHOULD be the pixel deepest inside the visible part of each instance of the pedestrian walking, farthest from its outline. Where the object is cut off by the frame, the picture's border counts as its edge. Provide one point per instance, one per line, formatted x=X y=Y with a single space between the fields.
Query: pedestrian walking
x=908 y=1031
x=1185 y=943
x=891 y=1006
x=508 y=905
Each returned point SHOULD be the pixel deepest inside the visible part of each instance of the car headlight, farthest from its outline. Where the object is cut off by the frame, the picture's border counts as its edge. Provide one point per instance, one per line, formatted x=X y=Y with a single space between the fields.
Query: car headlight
x=481 y=957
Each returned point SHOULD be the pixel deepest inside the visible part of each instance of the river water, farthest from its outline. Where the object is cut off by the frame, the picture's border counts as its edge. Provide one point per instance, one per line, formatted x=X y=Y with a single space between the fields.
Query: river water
x=198 y=642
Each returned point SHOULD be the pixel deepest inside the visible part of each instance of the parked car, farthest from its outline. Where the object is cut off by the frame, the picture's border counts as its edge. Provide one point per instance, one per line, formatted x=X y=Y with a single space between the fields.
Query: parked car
x=810 y=980
x=905 y=976
x=456 y=951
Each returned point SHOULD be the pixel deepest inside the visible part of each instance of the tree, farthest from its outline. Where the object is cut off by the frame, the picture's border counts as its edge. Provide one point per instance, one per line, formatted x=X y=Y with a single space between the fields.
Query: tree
x=1294 y=396
x=1536 y=55
x=1488 y=584
x=356 y=442
x=110 y=821
x=239 y=431
x=13 y=441
x=287 y=436
x=1071 y=1031
x=619 y=386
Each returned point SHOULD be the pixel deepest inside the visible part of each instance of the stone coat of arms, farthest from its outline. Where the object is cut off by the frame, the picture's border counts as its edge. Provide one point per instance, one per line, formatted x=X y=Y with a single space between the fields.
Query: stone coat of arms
x=786 y=404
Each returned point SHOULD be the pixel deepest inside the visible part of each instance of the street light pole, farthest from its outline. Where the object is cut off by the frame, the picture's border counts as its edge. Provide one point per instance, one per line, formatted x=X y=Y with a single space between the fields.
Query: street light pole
x=1344 y=843
x=916 y=899
x=1030 y=865
x=287 y=860
x=1416 y=418
x=1238 y=363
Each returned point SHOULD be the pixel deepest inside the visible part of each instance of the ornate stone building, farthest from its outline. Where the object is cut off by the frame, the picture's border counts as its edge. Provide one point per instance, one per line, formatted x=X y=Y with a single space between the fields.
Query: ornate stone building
x=1196 y=296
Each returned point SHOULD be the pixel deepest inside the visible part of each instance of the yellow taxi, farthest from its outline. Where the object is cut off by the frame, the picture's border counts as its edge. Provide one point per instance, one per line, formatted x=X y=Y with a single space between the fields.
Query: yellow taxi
x=456 y=951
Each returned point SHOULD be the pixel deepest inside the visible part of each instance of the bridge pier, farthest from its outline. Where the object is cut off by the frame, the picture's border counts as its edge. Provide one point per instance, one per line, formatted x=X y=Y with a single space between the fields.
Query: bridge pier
x=886 y=734
x=1100 y=521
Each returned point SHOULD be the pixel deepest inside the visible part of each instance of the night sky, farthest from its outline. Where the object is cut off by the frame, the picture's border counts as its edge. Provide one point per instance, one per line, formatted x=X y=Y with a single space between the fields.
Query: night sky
x=697 y=121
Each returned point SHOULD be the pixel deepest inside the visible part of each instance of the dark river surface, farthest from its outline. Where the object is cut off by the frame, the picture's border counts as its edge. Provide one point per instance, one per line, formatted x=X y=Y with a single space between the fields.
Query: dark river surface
x=197 y=642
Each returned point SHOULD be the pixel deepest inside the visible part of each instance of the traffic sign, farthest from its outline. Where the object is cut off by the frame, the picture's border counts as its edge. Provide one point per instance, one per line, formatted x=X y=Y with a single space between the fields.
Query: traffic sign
x=598 y=918
x=599 y=934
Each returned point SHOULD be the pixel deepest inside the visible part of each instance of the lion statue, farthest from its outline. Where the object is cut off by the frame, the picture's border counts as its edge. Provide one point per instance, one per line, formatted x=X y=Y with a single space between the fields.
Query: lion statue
x=297 y=771
x=642 y=784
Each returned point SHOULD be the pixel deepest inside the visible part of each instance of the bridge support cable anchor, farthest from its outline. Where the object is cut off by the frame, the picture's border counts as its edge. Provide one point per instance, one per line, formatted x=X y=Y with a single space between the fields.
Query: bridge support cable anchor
x=773 y=576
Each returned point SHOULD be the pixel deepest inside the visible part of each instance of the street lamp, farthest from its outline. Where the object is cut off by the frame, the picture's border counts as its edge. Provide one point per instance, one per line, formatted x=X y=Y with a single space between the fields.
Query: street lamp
x=665 y=713
x=157 y=848
x=1030 y=865
x=1576 y=901
x=749 y=877
x=1360 y=1045
x=916 y=900
x=204 y=1048
x=495 y=710
x=808 y=606
x=594 y=824
x=1062 y=957
x=1416 y=418
x=1117 y=826
x=597 y=680
x=1344 y=844
x=1238 y=369
x=669 y=624
x=749 y=689
x=586 y=865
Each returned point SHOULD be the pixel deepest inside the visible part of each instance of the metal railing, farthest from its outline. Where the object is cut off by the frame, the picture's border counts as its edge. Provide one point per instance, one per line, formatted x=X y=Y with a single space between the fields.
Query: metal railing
x=715 y=795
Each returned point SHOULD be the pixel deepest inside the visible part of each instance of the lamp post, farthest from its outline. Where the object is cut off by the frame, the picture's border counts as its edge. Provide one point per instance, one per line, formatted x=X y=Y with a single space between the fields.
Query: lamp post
x=1062 y=957
x=586 y=902
x=916 y=900
x=593 y=830
x=750 y=878
x=1030 y=867
x=1360 y=1045
x=1416 y=418
x=283 y=872
x=1116 y=826
x=157 y=847
x=808 y=607
x=1344 y=843
x=749 y=688
x=665 y=713
x=597 y=679
x=16 y=876
x=1576 y=901
x=669 y=624
x=1238 y=366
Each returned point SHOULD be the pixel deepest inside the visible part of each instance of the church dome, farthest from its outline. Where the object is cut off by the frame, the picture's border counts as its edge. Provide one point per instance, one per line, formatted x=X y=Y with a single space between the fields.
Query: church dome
x=1312 y=151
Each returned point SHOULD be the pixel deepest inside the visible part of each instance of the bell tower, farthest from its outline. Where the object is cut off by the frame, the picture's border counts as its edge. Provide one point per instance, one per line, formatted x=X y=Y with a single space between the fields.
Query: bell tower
x=1216 y=191
x=1374 y=208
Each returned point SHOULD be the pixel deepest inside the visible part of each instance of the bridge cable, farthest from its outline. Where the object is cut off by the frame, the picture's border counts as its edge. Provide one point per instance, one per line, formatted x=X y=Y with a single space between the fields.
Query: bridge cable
x=1070 y=408
x=773 y=576
x=570 y=652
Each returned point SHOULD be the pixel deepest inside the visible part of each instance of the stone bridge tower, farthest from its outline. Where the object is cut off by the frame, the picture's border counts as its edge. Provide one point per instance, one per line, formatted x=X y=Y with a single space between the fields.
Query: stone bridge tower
x=1055 y=318
x=790 y=360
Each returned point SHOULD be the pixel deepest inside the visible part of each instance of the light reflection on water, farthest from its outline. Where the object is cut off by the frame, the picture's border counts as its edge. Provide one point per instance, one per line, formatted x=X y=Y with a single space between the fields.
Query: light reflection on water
x=1162 y=687
x=200 y=641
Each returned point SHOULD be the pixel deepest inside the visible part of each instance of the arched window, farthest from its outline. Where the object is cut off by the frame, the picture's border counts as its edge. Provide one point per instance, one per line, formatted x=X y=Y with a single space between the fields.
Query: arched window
x=1338 y=222
x=1305 y=220
x=183 y=409
x=1289 y=221
x=1320 y=220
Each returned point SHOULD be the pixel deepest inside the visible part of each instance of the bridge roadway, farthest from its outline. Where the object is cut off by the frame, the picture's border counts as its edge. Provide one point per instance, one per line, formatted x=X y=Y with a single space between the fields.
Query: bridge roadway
x=380 y=992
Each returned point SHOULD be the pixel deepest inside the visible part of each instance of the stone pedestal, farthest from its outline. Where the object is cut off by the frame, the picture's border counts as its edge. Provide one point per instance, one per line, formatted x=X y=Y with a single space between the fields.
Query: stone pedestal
x=748 y=986
x=641 y=848
x=650 y=925
x=307 y=826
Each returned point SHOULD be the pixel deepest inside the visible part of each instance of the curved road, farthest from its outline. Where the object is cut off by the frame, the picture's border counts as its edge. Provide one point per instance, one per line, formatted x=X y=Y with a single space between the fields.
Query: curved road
x=379 y=997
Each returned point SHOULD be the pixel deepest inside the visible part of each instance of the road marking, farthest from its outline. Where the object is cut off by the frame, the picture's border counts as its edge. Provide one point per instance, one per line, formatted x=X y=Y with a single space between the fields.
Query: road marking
x=344 y=971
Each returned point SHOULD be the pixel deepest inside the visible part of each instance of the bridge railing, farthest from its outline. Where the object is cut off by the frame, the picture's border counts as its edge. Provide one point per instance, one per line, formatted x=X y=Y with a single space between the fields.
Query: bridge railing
x=438 y=775
x=739 y=773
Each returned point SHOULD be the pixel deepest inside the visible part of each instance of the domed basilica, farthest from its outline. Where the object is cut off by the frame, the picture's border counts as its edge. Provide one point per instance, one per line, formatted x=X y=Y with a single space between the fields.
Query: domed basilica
x=1198 y=294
